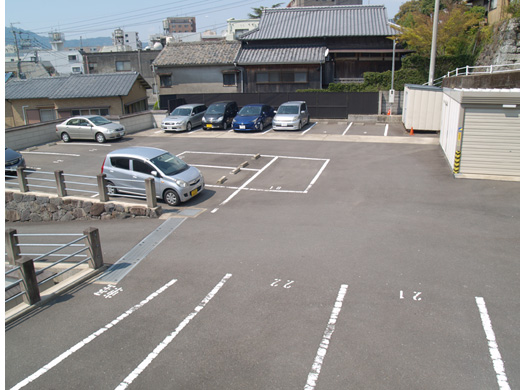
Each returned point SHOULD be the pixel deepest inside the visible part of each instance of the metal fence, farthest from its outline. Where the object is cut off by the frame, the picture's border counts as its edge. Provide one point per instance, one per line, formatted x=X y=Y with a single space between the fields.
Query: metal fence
x=331 y=105
x=63 y=184
x=32 y=272
x=479 y=69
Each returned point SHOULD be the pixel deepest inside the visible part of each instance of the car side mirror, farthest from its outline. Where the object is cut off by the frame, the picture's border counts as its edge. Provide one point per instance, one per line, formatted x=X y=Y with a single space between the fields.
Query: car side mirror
x=154 y=173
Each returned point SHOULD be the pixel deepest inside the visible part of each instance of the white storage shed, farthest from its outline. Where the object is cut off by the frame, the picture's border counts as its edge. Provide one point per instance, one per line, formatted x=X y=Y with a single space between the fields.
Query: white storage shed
x=480 y=132
x=422 y=107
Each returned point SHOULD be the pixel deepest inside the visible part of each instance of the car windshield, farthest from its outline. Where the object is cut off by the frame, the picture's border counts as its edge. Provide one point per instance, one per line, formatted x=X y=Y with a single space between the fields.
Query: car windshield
x=216 y=108
x=99 y=120
x=169 y=164
x=250 y=111
x=288 y=110
x=181 y=112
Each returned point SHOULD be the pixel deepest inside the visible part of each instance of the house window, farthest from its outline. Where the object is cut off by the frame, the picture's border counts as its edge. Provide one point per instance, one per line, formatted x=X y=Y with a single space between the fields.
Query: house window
x=166 y=80
x=47 y=115
x=92 y=67
x=230 y=79
x=279 y=77
x=89 y=111
x=123 y=66
x=493 y=4
x=76 y=69
x=73 y=58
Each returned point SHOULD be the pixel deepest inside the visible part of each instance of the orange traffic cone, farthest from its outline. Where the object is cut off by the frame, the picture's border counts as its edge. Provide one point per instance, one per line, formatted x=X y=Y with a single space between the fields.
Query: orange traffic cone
x=389 y=112
x=411 y=131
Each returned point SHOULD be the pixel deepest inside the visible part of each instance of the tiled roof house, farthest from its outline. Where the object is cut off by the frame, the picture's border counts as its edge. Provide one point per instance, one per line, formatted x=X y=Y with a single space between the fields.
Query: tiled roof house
x=42 y=99
x=198 y=67
x=309 y=47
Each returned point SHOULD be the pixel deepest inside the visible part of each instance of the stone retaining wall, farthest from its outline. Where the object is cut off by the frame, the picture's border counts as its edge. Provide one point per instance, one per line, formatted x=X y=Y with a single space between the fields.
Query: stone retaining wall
x=21 y=207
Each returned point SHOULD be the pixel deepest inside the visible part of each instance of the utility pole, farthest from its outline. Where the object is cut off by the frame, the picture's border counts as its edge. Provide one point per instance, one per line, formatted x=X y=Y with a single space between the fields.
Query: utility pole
x=434 y=43
x=17 y=50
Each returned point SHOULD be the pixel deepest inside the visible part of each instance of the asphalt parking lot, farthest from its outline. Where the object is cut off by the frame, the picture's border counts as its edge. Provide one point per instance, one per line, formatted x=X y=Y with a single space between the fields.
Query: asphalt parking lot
x=319 y=265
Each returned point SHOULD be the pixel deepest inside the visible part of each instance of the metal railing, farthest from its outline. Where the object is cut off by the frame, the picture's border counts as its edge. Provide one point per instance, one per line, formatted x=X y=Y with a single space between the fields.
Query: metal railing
x=28 y=180
x=24 y=263
x=480 y=69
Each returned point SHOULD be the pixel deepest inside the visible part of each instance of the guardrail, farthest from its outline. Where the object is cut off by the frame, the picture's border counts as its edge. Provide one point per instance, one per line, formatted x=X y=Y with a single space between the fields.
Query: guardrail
x=62 y=184
x=32 y=278
x=480 y=69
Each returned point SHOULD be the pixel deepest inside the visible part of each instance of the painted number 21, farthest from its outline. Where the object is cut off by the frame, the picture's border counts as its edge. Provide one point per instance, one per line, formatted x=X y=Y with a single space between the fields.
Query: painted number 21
x=276 y=283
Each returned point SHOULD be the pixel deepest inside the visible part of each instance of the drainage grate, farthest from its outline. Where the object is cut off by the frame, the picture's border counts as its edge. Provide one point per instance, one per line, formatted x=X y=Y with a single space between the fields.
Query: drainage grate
x=126 y=263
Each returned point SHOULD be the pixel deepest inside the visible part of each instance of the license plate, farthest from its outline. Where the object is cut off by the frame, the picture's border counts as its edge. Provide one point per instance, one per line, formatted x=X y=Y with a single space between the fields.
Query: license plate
x=242 y=126
x=209 y=126
x=194 y=192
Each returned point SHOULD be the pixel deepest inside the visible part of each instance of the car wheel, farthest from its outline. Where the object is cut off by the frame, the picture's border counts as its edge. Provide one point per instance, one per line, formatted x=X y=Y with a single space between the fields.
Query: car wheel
x=65 y=137
x=111 y=189
x=300 y=125
x=188 y=126
x=100 y=138
x=224 y=125
x=261 y=127
x=171 y=198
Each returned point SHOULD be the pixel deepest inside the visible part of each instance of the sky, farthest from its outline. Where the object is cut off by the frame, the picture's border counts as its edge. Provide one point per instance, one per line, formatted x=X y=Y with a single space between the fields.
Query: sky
x=99 y=18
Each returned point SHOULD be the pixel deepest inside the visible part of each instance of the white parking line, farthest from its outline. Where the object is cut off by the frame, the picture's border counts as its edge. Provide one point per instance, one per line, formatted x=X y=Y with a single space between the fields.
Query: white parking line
x=317 y=176
x=496 y=358
x=146 y=362
x=54 y=154
x=348 y=128
x=222 y=167
x=315 y=123
x=249 y=181
x=88 y=339
x=325 y=342
x=386 y=130
x=85 y=143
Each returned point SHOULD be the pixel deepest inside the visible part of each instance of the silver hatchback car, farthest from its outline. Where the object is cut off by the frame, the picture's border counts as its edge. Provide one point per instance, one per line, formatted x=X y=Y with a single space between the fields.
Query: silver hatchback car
x=93 y=127
x=291 y=116
x=127 y=169
x=184 y=117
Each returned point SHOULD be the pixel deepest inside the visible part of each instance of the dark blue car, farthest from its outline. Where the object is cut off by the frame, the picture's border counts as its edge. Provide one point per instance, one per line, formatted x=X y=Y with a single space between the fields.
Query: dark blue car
x=253 y=117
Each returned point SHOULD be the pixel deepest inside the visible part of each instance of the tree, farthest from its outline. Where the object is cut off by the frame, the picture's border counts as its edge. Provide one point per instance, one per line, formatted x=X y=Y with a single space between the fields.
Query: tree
x=257 y=12
x=457 y=31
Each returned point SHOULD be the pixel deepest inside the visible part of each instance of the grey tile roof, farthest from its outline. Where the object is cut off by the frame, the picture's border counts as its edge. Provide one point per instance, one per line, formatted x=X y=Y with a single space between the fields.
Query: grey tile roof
x=74 y=86
x=198 y=53
x=317 y=22
x=291 y=54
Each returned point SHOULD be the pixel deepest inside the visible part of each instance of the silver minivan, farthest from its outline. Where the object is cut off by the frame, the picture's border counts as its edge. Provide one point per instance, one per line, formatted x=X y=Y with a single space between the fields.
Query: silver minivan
x=291 y=116
x=184 y=117
x=127 y=169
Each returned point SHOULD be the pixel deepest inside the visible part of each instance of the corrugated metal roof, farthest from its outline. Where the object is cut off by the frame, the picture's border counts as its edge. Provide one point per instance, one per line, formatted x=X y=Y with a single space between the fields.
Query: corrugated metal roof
x=74 y=86
x=318 y=22
x=297 y=54
x=198 y=53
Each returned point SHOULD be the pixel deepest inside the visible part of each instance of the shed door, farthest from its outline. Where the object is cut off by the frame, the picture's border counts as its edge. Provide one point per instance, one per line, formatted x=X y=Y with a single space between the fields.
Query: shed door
x=491 y=142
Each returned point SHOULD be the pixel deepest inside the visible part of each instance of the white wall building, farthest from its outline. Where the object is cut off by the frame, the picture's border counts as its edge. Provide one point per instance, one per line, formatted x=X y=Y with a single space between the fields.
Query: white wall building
x=237 y=27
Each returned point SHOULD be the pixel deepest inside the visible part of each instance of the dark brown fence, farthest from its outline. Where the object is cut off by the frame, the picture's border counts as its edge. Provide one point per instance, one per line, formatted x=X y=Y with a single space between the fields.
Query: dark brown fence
x=321 y=104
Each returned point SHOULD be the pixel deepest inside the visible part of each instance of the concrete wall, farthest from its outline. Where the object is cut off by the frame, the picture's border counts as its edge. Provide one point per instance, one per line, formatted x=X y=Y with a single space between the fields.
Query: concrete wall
x=31 y=135
x=23 y=137
x=494 y=80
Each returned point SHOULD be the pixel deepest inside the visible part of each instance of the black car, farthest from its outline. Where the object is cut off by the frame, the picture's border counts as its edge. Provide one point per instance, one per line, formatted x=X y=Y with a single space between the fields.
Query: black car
x=13 y=160
x=219 y=115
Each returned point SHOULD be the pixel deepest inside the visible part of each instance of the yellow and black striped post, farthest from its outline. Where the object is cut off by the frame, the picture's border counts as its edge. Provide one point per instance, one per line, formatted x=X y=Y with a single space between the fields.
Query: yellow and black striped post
x=456 y=165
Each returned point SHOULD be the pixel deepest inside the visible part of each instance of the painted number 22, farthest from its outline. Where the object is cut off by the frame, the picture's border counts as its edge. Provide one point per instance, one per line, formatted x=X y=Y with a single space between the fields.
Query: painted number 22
x=276 y=283
x=416 y=295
